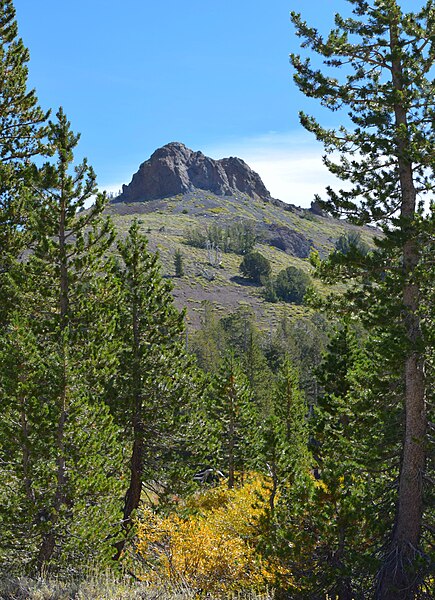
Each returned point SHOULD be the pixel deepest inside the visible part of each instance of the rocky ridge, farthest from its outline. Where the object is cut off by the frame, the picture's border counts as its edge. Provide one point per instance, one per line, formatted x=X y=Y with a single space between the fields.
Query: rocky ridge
x=175 y=169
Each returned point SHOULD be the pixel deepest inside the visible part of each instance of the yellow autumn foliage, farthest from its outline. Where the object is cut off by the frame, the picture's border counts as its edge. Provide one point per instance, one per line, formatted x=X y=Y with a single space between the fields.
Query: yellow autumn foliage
x=212 y=549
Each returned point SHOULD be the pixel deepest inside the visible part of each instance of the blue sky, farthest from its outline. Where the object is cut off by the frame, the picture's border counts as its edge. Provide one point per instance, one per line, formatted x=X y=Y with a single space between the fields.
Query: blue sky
x=133 y=75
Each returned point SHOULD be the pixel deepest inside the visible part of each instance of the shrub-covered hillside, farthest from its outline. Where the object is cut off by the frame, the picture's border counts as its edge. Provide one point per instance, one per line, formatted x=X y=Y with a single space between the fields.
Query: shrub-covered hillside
x=207 y=231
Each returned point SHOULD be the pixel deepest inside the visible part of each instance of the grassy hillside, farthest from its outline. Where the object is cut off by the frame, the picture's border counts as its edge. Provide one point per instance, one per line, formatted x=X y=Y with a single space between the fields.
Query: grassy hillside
x=166 y=223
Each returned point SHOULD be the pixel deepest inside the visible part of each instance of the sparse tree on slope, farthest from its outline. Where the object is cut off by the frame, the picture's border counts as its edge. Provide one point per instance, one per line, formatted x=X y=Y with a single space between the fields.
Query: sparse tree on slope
x=178 y=263
x=255 y=267
x=387 y=155
x=351 y=241
x=291 y=285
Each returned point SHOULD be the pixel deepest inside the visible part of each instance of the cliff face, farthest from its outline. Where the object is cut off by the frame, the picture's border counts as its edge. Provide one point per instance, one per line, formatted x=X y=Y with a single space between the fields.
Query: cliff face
x=175 y=169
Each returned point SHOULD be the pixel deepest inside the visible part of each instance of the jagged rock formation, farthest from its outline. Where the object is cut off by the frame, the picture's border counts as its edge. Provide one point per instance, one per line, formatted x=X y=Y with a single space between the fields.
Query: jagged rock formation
x=175 y=169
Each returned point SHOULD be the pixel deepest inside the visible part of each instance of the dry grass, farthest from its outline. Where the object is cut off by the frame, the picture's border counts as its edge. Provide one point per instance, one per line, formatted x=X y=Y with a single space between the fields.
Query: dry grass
x=99 y=587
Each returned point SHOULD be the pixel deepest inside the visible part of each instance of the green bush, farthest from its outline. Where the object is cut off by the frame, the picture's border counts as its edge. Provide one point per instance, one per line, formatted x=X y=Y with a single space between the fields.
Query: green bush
x=256 y=267
x=269 y=292
x=196 y=237
x=291 y=285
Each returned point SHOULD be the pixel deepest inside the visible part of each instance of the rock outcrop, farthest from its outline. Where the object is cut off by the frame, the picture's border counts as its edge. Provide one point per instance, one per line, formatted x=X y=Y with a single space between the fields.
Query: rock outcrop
x=288 y=240
x=316 y=209
x=175 y=169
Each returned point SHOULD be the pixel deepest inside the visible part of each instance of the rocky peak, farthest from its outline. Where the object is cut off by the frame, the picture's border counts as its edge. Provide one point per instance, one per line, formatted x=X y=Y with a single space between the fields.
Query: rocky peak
x=176 y=150
x=175 y=169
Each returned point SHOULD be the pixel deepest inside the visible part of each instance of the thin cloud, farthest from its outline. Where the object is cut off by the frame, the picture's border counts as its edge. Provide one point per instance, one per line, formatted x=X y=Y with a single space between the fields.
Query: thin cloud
x=290 y=164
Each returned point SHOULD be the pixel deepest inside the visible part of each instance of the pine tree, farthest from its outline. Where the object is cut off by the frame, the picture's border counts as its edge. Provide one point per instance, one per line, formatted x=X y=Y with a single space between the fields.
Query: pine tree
x=291 y=285
x=242 y=336
x=21 y=118
x=231 y=415
x=285 y=431
x=387 y=156
x=338 y=514
x=156 y=380
x=26 y=421
x=255 y=267
x=56 y=354
x=208 y=343
x=285 y=457
x=304 y=341
x=21 y=135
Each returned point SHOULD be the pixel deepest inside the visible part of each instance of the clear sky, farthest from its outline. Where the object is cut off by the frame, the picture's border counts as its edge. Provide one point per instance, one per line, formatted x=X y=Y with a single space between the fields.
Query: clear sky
x=133 y=75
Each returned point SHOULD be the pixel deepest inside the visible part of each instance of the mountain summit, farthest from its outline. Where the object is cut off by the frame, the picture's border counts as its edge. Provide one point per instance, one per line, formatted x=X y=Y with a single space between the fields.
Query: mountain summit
x=175 y=169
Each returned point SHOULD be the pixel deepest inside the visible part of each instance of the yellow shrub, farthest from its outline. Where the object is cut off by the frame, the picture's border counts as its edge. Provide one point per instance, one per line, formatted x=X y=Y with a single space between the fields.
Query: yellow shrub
x=214 y=548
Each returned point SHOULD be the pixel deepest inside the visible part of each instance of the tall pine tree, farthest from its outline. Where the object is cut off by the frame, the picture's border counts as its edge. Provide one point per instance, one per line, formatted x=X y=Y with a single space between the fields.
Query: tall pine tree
x=345 y=515
x=155 y=383
x=21 y=136
x=386 y=154
x=285 y=457
x=20 y=117
x=56 y=352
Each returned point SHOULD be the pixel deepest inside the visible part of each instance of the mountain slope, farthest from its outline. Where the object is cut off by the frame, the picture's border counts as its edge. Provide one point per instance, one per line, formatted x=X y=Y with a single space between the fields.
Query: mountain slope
x=285 y=235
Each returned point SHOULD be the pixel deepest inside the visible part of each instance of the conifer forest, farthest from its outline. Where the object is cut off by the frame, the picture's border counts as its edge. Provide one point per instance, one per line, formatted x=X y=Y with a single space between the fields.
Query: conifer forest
x=289 y=462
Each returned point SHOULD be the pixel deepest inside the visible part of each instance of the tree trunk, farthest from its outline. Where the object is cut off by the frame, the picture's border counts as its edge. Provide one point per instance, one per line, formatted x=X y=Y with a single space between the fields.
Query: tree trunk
x=274 y=489
x=133 y=493
x=231 y=434
x=46 y=551
x=49 y=539
x=398 y=579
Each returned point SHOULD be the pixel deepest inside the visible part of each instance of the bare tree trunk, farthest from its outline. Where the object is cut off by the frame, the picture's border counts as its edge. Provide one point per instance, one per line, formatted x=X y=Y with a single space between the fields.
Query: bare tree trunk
x=46 y=550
